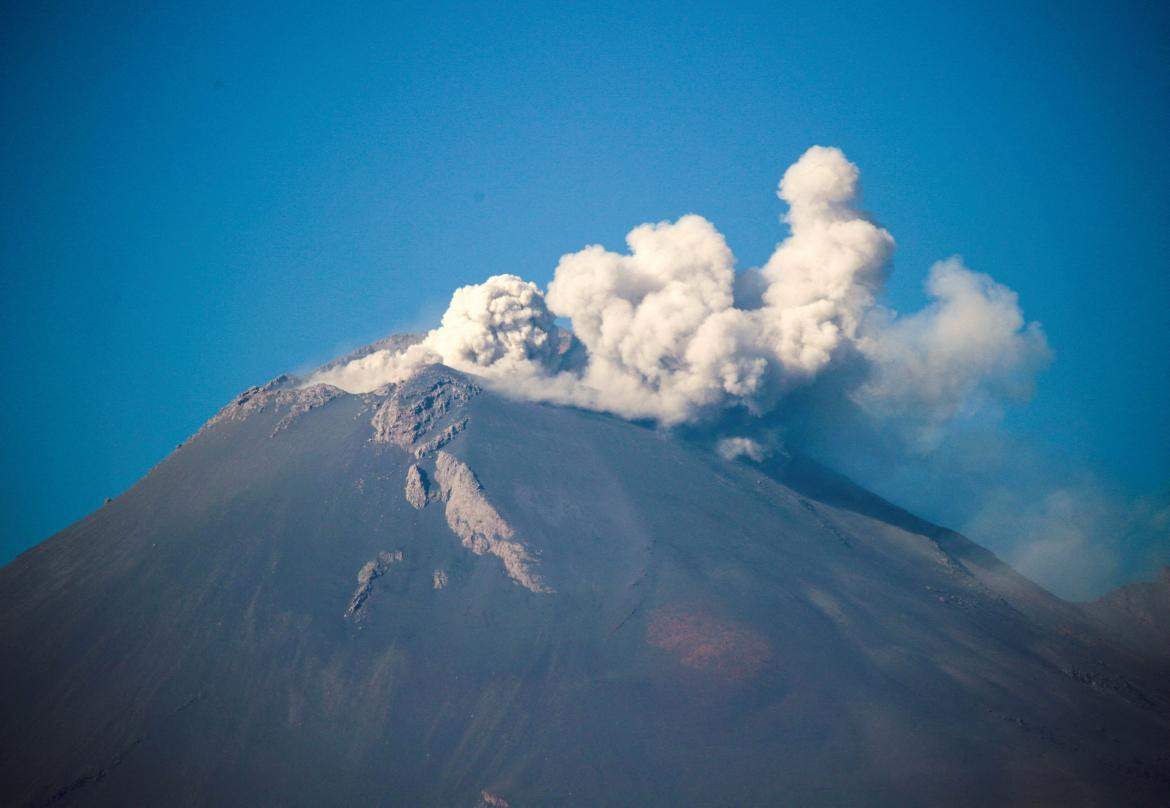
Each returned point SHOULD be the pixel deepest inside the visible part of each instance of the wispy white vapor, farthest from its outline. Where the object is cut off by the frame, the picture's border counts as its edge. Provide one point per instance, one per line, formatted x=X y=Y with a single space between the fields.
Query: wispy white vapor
x=671 y=332
x=1074 y=537
x=731 y=448
x=968 y=349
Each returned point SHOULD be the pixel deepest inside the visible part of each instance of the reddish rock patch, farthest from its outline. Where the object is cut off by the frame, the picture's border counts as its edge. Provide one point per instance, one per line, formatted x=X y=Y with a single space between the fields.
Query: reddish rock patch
x=732 y=651
x=490 y=800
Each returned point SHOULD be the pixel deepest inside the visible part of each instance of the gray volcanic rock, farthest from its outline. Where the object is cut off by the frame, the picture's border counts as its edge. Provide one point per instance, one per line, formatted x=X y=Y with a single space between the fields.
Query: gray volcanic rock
x=679 y=630
x=479 y=526
x=421 y=413
x=279 y=395
x=419 y=492
x=372 y=570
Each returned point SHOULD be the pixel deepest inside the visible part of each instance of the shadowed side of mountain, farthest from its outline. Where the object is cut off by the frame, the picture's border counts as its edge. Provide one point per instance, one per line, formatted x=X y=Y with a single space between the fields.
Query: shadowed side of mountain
x=1139 y=614
x=817 y=482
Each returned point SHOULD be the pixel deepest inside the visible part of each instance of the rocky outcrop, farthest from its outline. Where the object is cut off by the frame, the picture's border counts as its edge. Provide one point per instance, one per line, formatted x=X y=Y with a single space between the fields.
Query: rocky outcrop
x=422 y=415
x=302 y=401
x=419 y=491
x=445 y=436
x=420 y=408
x=252 y=400
x=478 y=525
x=280 y=396
x=372 y=570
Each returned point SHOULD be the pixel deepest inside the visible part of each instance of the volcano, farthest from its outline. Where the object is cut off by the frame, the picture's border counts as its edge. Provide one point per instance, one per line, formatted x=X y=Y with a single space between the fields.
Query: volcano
x=432 y=594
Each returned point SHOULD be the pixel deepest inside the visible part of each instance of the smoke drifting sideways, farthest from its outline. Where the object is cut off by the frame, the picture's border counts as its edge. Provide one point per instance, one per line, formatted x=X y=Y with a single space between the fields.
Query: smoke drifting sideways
x=671 y=332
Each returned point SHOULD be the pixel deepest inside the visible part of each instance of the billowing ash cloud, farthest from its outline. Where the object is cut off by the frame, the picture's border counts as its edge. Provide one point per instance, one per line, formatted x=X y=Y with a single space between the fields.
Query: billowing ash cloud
x=966 y=351
x=672 y=332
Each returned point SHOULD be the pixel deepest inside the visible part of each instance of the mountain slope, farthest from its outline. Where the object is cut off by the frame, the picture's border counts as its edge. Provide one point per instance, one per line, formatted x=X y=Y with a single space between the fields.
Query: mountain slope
x=1138 y=615
x=434 y=595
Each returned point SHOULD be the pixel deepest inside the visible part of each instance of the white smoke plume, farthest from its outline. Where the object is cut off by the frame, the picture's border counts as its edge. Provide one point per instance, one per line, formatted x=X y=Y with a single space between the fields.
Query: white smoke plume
x=671 y=332
x=498 y=329
x=965 y=352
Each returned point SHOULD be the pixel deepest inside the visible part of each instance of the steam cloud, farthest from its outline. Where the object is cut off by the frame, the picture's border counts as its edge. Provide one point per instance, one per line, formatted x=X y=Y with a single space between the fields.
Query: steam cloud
x=671 y=331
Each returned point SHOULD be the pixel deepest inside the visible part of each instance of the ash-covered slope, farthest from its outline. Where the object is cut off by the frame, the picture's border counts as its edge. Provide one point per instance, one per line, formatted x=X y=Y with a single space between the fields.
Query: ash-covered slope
x=1139 y=615
x=433 y=595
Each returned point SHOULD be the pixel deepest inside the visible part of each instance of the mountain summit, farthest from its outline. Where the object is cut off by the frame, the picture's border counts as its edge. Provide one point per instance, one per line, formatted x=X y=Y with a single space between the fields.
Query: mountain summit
x=432 y=594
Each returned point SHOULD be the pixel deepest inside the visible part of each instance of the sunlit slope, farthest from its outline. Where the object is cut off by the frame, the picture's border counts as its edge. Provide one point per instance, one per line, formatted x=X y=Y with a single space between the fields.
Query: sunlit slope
x=563 y=608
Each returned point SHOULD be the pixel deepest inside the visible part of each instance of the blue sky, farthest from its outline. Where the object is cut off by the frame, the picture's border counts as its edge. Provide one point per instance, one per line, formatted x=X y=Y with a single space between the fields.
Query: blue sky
x=195 y=200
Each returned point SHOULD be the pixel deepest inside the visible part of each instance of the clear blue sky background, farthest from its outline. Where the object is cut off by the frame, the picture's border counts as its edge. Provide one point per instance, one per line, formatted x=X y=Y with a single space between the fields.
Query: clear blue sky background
x=195 y=200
